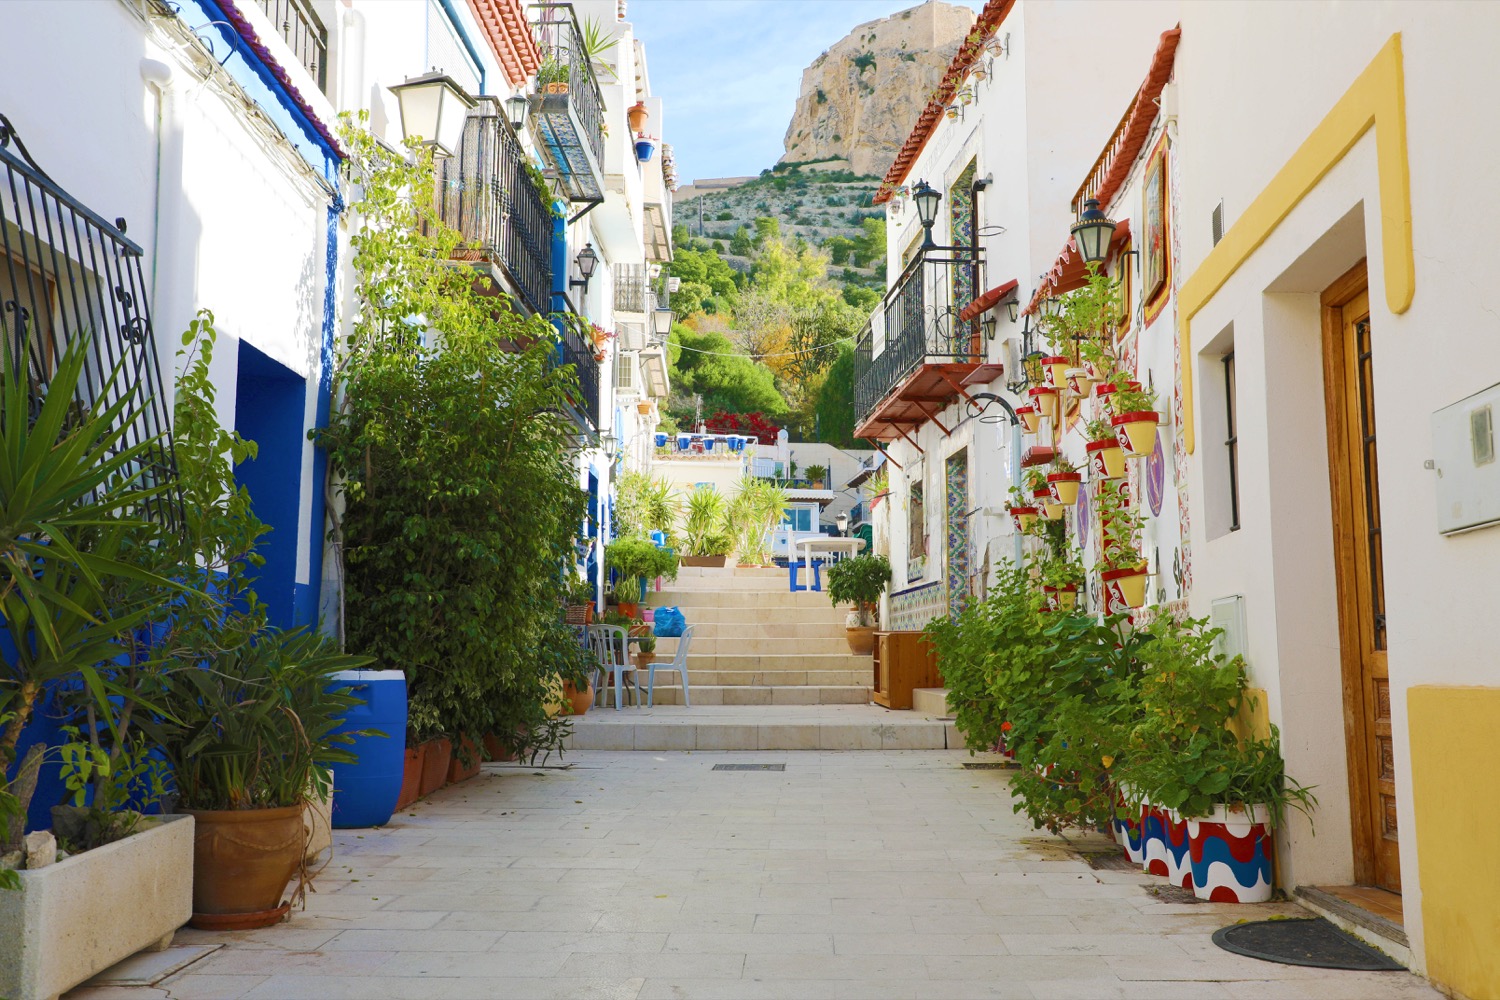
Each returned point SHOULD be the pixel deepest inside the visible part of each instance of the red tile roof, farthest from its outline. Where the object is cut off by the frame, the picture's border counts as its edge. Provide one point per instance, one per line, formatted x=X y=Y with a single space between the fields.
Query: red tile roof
x=510 y=37
x=968 y=54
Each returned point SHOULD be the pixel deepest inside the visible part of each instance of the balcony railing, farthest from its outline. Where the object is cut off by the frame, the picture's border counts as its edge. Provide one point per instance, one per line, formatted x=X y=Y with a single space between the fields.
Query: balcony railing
x=486 y=193
x=66 y=274
x=568 y=109
x=632 y=284
x=917 y=324
x=577 y=349
x=303 y=30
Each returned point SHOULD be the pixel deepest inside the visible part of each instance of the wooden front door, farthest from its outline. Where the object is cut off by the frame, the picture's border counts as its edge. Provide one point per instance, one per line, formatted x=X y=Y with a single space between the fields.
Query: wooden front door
x=1348 y=362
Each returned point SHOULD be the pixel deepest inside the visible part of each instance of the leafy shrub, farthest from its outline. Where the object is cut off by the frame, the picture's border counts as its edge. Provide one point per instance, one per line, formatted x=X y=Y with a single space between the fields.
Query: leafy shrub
x=859 y=581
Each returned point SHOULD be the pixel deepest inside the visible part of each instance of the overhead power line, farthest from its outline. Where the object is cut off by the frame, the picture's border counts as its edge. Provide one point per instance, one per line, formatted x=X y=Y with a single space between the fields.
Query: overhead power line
x=774 y=354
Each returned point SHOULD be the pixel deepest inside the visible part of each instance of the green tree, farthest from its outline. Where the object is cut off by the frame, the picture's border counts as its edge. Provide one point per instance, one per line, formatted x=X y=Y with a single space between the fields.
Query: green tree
x=708 y=364
x=742 y=244
x=766 y=228
x=870 y=244
x=835 y=401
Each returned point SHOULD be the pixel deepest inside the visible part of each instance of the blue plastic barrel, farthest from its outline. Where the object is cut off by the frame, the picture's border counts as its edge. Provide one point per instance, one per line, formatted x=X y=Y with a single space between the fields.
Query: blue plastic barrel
x=365 y=792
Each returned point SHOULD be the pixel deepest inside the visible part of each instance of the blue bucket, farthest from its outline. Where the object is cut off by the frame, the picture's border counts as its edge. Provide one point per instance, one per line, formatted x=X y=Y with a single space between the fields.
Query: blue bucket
x=365 y=792
x=683 y=442
x=661 y=440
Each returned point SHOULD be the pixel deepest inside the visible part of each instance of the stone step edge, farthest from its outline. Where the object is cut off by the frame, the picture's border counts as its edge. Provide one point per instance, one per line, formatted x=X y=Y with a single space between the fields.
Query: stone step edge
x=653 y=734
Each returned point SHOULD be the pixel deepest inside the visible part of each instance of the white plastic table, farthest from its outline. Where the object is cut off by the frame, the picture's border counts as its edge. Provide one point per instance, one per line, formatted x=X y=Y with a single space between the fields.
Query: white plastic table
x=831 y=545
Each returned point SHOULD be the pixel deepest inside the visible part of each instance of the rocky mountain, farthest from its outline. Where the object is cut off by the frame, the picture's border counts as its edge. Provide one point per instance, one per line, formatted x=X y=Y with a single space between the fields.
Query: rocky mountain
x=861 y=98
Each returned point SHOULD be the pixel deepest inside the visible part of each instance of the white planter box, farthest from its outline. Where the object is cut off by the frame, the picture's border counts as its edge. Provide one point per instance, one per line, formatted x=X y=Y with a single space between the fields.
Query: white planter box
x=76 y=918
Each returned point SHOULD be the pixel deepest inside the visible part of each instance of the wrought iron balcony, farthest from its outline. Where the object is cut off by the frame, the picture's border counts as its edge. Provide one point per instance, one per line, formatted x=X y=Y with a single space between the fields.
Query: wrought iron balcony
x=576 y=348
x=632 y=288
x=568 y=108
x=303 y=30
x=486 y=193
x=67 y=275
x=916 y=355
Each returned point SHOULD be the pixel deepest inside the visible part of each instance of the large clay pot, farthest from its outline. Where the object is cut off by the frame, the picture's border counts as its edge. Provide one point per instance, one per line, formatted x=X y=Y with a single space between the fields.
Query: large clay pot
x=242 y=862
x=861 y=639
x=438 y=755
x=1230 y=852
x=458 y=770
x=411 y=777
x=579 y=702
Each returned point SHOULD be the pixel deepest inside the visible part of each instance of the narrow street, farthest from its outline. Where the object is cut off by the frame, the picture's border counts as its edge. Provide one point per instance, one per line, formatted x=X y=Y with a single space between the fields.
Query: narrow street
x=644 y=876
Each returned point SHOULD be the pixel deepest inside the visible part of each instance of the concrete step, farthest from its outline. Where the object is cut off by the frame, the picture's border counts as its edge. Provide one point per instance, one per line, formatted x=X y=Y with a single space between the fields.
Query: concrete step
x=739 y=614
x=928 y=701
x=731 y=572
x=796 y=663
x=778 y=678
x=789 y=727
x=704 y=642
x=782 y=599
x=742 y=631
x=756 y=694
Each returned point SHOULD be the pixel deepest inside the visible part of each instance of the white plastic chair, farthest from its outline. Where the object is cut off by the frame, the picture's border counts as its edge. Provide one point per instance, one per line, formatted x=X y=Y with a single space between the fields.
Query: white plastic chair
x=613 y=650
x=679 y=664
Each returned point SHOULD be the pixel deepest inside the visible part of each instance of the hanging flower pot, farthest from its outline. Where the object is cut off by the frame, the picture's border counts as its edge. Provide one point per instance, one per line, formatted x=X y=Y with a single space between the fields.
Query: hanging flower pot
x=1022 y=517
x=1230 y=850
x=637 y=115
x=1030 y=418
x=1105 y=458
x=1124 y=588
x=1080 y=382
x=644 y=147
x=1064 y=487
x=1102 y=393
x=644 y=409
x=1136 y=432
x=1050 y=508
x=1061 y=598
x=1044 y=398
x=1056 y=367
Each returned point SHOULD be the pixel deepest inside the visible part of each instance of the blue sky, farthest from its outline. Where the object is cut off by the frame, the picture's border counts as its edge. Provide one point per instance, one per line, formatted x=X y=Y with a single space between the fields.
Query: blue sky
x=729 y=71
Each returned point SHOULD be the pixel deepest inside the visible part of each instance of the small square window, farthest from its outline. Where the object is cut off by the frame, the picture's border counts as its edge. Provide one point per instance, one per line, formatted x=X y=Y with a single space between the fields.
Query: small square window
x=1482 y=434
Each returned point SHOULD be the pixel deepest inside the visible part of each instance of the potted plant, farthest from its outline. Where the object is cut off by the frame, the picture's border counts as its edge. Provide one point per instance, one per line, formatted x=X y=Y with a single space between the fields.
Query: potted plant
x=1023 y=512
x=249 y=734
x=707 y=539
x=1062 y=575
x=860 y=581
x=552 y=74
x=645 y=651
x=757 y=508
x=1044 y=398
x=1064 y=481
x=1135 y=419
x=817 y=475
x=1106 y=459
x=637 y=115
x=580 y=606
x=1122 y=570
x=1056 y=366
x=1040 y=494
x=645 y=146
x=637 y=561
x=1030 y=418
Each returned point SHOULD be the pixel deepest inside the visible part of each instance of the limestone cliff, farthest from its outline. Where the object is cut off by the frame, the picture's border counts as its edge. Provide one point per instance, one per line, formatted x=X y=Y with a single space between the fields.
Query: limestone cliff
x=861 y=98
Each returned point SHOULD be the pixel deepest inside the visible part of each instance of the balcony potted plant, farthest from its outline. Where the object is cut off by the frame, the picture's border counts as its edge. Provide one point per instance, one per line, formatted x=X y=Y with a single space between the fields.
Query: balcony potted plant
x=552 y=74
x=637 y=561
x=1064 y=481
x=860 y=581
x=1023 y=513
x=637 y=115
x=1106 y=459
x=1062 y=575
x=818 y=476
x=645 y=146
x=707 y=538
x=1122 y=570
x=1135 y=419
x=1041 y=494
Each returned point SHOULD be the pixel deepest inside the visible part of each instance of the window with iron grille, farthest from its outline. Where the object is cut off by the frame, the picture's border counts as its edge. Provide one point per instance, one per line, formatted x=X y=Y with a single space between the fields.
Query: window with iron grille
x=446 y=51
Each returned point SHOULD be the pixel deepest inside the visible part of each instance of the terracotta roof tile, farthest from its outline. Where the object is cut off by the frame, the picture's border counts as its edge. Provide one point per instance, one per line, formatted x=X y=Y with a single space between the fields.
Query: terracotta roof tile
x=509 y=37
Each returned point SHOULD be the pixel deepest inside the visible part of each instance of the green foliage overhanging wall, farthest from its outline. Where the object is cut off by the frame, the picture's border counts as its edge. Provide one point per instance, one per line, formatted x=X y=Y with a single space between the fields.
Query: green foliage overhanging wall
x=451 y=451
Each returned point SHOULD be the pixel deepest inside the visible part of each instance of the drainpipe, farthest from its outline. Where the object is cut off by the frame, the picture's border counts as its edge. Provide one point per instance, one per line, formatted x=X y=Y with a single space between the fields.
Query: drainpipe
x=1015 y=475
x=352 y=62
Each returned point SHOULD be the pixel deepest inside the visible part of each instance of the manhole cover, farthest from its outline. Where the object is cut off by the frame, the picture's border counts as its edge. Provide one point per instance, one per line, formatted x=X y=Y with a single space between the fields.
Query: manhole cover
x=1313 y=941
x=749 y=767
x=985 y=765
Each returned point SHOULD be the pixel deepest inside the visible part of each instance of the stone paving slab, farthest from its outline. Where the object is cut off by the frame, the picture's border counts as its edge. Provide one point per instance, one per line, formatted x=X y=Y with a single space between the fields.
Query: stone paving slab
x=827 y=726
x=641 y=875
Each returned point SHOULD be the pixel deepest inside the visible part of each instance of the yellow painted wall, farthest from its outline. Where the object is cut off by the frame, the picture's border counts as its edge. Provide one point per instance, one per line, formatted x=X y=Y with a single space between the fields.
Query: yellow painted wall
x=1455 y=758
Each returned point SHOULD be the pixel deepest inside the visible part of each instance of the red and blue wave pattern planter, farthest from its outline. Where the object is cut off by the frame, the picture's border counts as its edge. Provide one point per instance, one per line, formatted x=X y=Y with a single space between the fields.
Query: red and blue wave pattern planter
x=1231 y=855
x=1179 y=858
x=1128 y=829
x=1154 y=856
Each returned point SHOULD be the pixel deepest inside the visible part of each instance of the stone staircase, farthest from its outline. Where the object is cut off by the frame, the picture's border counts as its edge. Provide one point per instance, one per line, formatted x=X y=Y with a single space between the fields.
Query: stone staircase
x=757 y=643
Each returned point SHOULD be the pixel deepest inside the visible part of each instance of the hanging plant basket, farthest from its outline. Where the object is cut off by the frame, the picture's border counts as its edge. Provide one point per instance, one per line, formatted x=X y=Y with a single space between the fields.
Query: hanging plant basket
x=1064 y=487
x=1136 y=432
x=1050 y=508
x=1030 y=418
x=637 y=114
x=1102 y=393
x=644 y=409
x=1106 y=459
x=1022 y=517
x=1061 y=598
x=1056 y=367
x=1124 y=588
x=1044 y=398
x=1080 y=382
x=644 y=148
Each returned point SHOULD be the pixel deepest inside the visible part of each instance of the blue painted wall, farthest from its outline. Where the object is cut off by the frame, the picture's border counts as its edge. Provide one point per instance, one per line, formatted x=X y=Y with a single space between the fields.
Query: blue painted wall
x=270 y=403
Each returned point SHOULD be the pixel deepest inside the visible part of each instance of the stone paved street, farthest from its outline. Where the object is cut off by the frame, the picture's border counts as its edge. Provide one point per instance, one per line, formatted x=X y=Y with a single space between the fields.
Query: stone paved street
x=645 y=876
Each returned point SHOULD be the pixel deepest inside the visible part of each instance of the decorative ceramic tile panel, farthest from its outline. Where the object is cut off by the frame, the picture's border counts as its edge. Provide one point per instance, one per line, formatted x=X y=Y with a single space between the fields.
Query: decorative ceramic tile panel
x=913 y=608
x=959 y=556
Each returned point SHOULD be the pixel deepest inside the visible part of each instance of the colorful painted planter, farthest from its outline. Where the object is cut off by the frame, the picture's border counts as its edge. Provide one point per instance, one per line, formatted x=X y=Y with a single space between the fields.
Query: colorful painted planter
x=1230 y=851
x=1124 y=589
x=1056 y=366
x=1128 y=829
x=1050 y=508
x=1064 y=487
x=1106 y=458
x=1022 y=517
x=1080 y=382
x=1154 y=857
x=1179 y=859
x=1136 y=432
x=1030 y=419
x=1061 y=598
x=1044 y=398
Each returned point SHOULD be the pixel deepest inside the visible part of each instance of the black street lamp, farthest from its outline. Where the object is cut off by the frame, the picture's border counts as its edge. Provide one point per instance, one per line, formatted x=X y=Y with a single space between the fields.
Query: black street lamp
x=516 y=107
x=587 y=260
x=1092 y=232
x=926 y=198
x=433 y=108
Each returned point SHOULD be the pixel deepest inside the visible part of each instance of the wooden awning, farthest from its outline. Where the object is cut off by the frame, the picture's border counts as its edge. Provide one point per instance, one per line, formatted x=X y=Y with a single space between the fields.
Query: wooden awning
x=921 y=396
x=990 y=299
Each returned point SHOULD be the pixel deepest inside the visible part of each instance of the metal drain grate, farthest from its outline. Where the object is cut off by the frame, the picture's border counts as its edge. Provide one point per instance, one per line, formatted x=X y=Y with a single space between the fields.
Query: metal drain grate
x=749 y=767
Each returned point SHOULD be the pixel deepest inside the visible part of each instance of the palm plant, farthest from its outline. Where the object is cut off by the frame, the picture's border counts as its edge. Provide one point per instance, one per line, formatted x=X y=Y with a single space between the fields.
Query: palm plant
x=758 y=506
x=706 y=527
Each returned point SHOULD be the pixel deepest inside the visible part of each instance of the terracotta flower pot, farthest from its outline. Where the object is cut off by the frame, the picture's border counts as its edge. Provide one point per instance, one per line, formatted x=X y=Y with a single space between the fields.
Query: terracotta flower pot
x=1124 y=589
x=1230 y=851
x=861 y=639
x=458 y=770
x=1044 y=398
x=1056 y=367
x=637 y=115
x=1030 y=419
x=630 y=610
x=242 y=862
x=703 y=560
x=1106 y=458
x=411 y=777
x=579 y=702
x=494 y=750
x=644 y=409
x=1136 y=432
x=438 y=754
x=1022 y=517
x=1064 y=486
